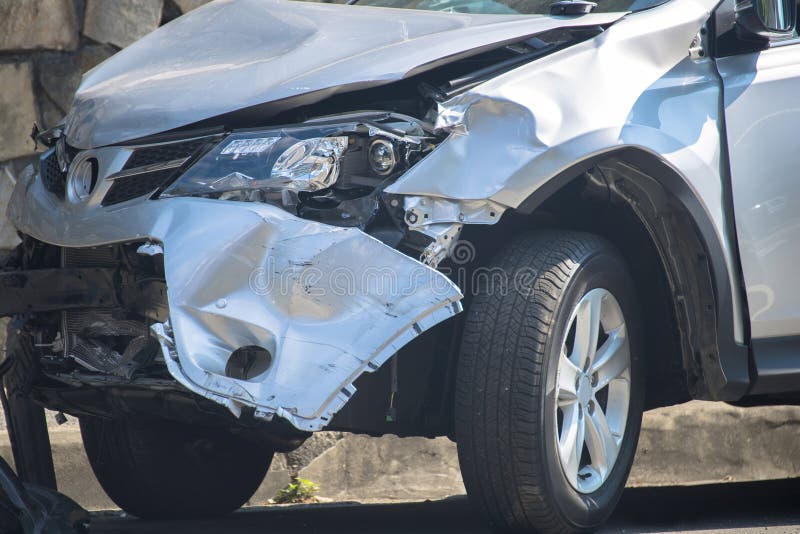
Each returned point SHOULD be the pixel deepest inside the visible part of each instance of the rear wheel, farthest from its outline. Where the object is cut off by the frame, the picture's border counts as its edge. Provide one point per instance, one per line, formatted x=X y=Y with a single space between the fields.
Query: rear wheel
x=550 y=385
x=163 y=469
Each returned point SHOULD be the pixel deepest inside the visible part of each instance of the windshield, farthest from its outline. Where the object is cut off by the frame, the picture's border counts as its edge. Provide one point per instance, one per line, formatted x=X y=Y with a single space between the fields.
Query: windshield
x=505 y=7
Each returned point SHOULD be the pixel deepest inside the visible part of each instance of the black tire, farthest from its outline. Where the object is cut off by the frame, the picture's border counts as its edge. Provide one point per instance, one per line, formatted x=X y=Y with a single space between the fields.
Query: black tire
x=157 y=469
x=505 y=398
x=25 y=420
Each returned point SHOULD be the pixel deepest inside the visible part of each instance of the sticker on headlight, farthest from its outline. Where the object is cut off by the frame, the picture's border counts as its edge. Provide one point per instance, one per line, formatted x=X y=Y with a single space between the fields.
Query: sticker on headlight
x=247 y=147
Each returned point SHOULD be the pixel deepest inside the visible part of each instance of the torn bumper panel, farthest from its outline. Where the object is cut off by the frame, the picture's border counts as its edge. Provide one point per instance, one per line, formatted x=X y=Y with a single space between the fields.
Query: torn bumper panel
x=327 y=303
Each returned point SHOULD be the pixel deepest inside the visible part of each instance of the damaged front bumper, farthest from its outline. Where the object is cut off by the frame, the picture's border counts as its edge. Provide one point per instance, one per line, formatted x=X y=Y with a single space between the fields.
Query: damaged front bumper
x=324 y=303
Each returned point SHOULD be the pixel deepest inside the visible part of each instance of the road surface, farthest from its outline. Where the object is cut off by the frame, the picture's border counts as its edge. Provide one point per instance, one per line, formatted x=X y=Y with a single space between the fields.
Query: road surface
x=756 y=507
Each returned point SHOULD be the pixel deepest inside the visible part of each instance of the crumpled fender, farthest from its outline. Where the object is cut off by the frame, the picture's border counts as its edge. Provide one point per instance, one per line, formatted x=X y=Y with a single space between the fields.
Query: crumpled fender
x=634 y=85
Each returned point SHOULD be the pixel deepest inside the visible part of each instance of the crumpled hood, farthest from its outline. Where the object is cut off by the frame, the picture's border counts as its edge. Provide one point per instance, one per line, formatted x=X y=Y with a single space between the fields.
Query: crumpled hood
x=233 y=54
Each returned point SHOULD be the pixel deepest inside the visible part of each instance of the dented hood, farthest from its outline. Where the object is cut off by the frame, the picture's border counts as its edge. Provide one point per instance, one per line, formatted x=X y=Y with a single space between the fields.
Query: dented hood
x=235 y=54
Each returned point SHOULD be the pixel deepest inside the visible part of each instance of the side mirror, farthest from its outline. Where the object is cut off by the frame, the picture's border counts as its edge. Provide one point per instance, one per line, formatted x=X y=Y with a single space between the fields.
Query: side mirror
x=766 y=19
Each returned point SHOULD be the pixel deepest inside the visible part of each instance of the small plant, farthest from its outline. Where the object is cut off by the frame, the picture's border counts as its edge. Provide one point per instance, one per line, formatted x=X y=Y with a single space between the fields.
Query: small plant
x=299 y=490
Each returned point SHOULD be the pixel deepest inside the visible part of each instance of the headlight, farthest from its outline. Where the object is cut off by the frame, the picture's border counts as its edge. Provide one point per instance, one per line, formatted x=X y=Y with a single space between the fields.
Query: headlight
x=382 y=157
x=336 y=158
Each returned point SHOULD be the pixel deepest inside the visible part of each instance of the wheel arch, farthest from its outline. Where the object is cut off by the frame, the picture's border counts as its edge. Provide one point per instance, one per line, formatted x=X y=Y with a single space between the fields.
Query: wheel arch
x=694 y=271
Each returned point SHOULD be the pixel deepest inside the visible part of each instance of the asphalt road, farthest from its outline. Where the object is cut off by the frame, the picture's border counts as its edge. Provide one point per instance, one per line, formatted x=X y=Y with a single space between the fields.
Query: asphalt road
x=763 y=507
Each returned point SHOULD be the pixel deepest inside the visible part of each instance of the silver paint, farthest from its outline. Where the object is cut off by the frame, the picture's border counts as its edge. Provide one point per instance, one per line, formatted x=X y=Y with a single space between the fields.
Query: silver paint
x=634 y=85
x=423 y=211
x=763 y=115
x=233 y=54
x=329 y=303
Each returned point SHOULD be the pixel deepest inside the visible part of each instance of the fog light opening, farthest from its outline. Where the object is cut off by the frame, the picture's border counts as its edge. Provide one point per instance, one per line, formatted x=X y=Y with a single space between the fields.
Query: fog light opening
x=247 y=363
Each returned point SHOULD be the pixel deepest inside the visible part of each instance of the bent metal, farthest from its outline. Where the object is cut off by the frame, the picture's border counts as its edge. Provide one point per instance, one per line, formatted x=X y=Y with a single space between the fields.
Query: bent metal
x=514 y=228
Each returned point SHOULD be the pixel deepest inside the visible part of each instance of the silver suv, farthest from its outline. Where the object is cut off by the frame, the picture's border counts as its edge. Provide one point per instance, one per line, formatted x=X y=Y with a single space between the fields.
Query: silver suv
x=512 y=223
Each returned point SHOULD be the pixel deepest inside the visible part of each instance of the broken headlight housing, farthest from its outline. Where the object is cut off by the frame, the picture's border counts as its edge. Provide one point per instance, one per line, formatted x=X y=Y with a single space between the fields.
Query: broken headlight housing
x=311 y=166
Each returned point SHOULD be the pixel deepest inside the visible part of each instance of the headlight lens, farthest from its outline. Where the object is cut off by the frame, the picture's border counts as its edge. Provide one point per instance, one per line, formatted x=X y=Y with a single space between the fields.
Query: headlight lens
x=312 y=164
x=246 y=161
x=381 y=157
x=331 y=170
x=279 y=165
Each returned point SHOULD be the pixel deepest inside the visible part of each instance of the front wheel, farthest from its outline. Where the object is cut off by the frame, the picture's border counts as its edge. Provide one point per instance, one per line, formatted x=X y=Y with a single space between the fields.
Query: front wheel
x=550 y=385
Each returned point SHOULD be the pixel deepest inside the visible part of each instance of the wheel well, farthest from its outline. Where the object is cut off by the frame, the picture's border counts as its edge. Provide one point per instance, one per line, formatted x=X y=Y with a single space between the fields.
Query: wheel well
x=586 y=204
x=620 y=198
x=681 y=279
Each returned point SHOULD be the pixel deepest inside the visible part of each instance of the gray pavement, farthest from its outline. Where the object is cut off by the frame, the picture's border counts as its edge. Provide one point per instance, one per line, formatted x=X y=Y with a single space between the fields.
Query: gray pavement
x=770 y=507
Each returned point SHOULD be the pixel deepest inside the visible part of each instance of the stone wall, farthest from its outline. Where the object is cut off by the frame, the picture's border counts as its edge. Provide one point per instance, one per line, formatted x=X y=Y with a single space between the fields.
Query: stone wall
x=45 y=47
x=690 y=444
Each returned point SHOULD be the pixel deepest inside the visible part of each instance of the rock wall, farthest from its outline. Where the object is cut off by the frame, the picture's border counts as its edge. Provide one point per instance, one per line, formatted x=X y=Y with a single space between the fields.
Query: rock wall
x=45 y=47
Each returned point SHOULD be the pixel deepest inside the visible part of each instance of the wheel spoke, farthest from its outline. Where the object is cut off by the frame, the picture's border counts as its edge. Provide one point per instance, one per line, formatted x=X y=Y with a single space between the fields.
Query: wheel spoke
x=567 y=376
x=587 y=329
x=570 y=444
x=602 y=446
x=612 y=359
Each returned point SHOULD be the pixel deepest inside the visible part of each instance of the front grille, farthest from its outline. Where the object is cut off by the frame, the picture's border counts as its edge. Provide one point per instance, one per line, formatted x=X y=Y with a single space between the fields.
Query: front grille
x=162 y=153
x=144 y=183
x=91 y=334
x=53 y=178
x=136 y=185
x=73 y=321
x=90 y=257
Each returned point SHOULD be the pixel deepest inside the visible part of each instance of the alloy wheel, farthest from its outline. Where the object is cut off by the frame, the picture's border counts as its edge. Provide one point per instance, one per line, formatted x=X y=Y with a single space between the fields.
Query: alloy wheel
x=593 y=390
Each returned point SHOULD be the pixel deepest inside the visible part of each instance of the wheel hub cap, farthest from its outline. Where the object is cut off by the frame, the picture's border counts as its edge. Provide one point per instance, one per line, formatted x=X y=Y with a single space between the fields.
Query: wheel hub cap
x=592 y=391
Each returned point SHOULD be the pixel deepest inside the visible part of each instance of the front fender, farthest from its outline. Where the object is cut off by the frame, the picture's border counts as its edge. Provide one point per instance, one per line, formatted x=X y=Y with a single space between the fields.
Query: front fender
x=634 y=85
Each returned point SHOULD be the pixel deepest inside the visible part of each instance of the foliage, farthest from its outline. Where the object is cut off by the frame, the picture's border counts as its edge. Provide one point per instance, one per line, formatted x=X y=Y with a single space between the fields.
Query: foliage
x=299 y=490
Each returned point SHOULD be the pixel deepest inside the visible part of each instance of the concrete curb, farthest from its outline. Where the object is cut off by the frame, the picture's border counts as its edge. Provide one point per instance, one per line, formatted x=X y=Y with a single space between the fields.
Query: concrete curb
x=690 y=444
x=701 y=442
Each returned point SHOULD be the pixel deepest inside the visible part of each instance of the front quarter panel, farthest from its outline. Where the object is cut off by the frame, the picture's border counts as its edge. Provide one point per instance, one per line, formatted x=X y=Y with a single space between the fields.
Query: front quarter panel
x=634 y=85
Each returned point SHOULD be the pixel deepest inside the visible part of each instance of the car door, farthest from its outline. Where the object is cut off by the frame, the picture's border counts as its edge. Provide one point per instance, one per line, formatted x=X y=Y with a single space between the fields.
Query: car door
x=762 y=121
